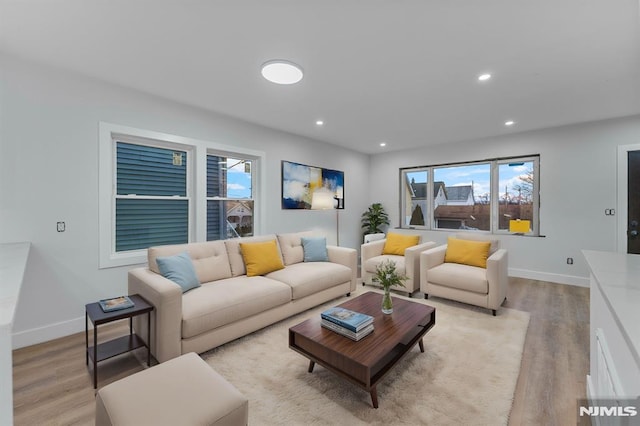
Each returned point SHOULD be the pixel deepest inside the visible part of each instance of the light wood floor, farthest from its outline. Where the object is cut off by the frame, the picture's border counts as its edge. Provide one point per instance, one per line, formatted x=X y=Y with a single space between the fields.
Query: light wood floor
x=52 y=385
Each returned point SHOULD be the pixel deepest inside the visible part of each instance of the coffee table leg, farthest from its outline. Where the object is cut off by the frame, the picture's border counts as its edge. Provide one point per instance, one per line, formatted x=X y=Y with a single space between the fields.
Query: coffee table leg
x=374 y=397
x=311 y=365
x=421 y=344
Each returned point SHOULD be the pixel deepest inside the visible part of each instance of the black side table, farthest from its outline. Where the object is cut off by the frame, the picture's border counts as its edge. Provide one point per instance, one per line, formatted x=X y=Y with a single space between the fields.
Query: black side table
x=102 y=351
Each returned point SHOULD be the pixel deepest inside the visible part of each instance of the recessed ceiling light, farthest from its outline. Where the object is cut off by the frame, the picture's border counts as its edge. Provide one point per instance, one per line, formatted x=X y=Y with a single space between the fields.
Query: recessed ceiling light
x=281 y=72
x=319 y=123
x=383 y=144
x=484 y=77
x=509 y=123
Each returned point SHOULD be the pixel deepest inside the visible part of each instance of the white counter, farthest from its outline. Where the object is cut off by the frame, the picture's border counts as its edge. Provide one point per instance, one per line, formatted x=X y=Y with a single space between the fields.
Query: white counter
x=615 y=319
x=618 y=277
x=13 y=261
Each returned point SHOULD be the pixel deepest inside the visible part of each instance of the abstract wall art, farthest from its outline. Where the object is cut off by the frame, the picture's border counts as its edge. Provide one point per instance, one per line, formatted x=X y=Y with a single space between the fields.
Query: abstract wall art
x=300 y=182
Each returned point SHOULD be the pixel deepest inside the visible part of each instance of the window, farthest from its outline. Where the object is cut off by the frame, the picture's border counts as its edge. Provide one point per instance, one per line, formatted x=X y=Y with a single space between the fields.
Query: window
x=516 y=194
x=230 y=203
x=158 y=189
x=490 y=195
x=462 y=199
x=151 y=200
x=415 y=211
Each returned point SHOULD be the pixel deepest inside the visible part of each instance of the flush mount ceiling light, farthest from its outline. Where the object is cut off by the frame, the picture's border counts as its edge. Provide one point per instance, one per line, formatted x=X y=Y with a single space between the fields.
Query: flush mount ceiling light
x=281 y=72
x=319 y=123
x=383 y=144
x=484 y=77
x=509 y=123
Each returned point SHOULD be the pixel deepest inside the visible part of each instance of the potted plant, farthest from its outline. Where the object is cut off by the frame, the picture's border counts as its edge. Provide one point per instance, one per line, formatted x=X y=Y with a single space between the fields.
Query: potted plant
x=387 y=276
x=374 y=218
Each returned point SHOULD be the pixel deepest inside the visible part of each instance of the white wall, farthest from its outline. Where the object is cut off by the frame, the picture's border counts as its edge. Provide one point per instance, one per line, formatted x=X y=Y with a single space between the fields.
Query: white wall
x=49 y=155
x=577 y=183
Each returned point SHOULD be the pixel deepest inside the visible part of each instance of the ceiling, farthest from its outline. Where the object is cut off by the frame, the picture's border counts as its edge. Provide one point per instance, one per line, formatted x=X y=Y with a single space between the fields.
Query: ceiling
x=402 y=72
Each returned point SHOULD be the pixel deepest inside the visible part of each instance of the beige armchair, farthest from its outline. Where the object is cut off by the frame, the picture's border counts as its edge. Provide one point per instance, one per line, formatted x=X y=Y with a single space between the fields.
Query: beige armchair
x=408 y=264
x=484 y=287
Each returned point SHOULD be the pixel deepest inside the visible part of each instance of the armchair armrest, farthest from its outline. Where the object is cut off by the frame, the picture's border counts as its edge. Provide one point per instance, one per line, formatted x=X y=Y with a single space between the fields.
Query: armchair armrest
x=497 y=277
x=412 y=259
x=429 y=259
x=372 y=249
x=166 y=324
x=347 y=257
x=374 y=237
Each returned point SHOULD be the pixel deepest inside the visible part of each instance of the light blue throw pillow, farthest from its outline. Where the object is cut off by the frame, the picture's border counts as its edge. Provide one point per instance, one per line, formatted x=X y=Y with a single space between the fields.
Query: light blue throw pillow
x=315 y=249
x=180 y=270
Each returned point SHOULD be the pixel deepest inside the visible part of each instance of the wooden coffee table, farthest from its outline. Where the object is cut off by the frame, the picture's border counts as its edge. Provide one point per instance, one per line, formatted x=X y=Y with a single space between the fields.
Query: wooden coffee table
x=367 y=361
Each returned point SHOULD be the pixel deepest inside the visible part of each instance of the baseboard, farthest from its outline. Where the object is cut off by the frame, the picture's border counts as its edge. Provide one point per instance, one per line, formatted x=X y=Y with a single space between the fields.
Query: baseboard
x=50 y=332
x=546 y=276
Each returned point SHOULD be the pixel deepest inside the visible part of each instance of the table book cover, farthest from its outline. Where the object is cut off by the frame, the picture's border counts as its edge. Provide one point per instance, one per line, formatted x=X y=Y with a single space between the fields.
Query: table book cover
x=354 y=321
x=116 y=303
x=346 y=332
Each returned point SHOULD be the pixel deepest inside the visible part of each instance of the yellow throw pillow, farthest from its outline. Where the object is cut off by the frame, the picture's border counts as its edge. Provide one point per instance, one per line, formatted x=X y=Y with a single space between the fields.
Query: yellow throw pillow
x=398 y=243
x=261 y=258
x=472 y=253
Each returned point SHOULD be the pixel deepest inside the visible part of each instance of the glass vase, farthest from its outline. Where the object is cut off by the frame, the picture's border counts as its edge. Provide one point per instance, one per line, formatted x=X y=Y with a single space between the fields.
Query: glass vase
x=387 y=303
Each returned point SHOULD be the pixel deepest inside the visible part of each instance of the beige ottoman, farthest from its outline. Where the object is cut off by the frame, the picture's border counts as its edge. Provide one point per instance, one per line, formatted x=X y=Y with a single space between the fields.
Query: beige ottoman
x=181 y=391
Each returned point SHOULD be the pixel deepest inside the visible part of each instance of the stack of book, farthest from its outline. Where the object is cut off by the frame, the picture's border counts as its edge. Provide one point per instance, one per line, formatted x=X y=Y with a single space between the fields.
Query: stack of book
x=351 y=324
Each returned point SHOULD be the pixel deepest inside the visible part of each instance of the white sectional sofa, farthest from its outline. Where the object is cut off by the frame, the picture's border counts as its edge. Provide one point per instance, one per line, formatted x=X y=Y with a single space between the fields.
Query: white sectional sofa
x=228 y=304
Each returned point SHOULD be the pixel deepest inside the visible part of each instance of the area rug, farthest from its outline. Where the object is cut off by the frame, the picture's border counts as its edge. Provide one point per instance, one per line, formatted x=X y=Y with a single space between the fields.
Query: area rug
x=466 y=376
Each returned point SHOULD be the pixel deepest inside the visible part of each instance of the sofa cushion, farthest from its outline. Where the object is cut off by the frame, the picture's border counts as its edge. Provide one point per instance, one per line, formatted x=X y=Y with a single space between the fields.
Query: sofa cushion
x=179 y=269
x=463 y=277
x=291 y=246
x=223 y=302
x=235 y=255
x=371 y=263
x=315 y=249
x=209 y=259
x=397 y=243
x=467 y=252
x=261 y=258
x=311 y=277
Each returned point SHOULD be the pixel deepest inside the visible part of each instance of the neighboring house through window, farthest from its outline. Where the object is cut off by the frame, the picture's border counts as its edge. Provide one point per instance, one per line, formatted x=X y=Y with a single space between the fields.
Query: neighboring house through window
x=230 y=202
x=151 y=200
x=483 y=196
x=158 y=189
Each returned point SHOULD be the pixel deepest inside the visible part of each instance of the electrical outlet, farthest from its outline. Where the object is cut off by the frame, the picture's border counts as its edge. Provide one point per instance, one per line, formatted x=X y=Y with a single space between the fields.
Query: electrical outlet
x=60 y=226
x=569 y=260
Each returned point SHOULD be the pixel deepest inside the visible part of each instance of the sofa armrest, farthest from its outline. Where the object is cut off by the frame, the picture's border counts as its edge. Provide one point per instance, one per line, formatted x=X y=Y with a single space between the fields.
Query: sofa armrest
x=412 y=259
x=429 y=259
x=497 y=277
x=347 y=257
x=166 y=324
